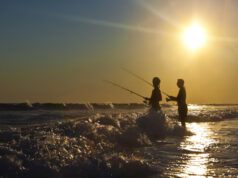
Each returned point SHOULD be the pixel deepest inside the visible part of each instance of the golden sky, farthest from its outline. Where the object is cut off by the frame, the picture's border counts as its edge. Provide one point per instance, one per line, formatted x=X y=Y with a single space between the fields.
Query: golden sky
x=61 y=52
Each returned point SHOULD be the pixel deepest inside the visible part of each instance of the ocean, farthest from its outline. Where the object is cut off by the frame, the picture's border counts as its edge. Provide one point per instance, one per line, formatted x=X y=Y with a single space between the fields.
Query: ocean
x=108 y=140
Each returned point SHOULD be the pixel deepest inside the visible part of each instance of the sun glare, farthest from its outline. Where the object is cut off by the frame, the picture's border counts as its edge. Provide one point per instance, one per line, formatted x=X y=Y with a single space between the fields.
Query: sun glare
x=194 y=36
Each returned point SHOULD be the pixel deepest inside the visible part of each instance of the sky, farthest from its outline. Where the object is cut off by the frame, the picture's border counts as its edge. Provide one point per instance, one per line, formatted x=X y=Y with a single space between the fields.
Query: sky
x=61 y=51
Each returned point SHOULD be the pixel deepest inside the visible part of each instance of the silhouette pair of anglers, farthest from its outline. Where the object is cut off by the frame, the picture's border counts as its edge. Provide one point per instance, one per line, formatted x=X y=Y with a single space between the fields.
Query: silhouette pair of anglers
x=156 y=96
x=181 y=99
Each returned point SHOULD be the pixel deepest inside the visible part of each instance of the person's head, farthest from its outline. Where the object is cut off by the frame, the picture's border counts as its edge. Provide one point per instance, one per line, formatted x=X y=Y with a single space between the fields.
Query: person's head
x=156 y=81
x=180 y=83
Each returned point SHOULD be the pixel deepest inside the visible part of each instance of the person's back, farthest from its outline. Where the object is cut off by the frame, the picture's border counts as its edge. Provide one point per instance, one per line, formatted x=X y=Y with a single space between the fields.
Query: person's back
x=182 y=106
x=181 y=98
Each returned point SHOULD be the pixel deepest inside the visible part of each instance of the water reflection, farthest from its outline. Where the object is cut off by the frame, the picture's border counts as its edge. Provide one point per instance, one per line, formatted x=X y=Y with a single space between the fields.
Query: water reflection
x=194 y=107
x=194 y=147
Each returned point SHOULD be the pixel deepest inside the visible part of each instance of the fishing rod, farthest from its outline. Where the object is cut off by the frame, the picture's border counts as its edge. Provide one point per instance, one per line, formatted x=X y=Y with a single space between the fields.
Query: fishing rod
x=138 y=77
x=119 y=86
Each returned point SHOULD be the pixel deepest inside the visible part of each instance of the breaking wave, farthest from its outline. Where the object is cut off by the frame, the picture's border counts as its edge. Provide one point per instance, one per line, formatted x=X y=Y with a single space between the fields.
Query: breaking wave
x=68 y=106
x=101 y=145
x=90 y=142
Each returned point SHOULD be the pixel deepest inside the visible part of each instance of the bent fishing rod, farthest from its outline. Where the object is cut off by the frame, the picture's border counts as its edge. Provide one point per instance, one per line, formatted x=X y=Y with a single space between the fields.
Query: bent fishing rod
x=140 y=78
x=119 y=86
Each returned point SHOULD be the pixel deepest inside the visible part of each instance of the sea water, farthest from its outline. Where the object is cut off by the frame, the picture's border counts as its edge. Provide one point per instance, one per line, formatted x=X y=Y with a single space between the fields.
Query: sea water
x=104 y=140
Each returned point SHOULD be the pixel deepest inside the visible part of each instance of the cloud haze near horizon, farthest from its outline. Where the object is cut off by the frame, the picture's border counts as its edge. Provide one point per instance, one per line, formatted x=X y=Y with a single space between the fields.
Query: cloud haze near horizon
x=60 y=52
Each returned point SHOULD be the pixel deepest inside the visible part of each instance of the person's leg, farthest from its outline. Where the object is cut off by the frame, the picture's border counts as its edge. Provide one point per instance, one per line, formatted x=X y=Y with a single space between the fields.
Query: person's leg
x=183 y=122
x=182 y=117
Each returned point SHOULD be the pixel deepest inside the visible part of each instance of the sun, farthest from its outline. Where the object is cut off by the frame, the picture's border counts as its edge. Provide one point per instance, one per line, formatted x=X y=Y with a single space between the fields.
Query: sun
x=194 y=36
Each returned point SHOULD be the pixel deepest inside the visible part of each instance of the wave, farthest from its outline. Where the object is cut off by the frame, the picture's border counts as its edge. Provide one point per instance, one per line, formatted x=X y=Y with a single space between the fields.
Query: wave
x=43 y=113
x=213 y=116
x=89 y=144
x=101 y=145
x=68 y=106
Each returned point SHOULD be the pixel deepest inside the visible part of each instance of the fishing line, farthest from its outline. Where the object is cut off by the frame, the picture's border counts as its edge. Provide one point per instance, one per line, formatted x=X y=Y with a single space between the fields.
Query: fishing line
x=119 y=86
x=140 y=78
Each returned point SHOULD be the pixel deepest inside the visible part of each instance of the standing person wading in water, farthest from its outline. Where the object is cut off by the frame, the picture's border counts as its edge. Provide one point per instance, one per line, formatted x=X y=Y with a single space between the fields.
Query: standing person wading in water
x=181 y=101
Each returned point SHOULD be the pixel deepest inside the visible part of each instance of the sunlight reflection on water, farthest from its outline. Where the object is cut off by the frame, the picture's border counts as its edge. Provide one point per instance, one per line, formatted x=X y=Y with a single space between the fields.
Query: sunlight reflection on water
x=194 y=107
x=195 y=145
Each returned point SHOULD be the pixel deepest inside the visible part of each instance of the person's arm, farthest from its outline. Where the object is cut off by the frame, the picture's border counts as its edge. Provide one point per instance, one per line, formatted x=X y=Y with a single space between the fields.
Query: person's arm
x=149 y=99
x=173 y=98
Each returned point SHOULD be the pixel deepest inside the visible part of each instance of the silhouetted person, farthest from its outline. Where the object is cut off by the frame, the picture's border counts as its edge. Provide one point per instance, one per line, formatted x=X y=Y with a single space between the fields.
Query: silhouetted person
x=181 y=100
x=156 y=95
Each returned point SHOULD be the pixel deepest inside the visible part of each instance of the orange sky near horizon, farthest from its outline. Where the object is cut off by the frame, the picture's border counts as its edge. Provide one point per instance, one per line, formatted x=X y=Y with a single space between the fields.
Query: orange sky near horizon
x=54 y=56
